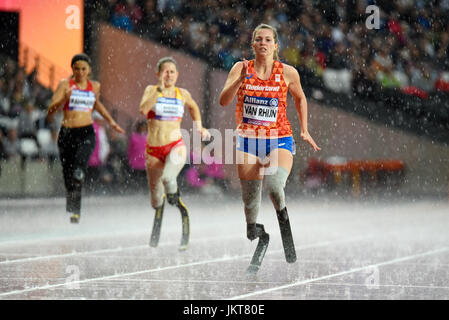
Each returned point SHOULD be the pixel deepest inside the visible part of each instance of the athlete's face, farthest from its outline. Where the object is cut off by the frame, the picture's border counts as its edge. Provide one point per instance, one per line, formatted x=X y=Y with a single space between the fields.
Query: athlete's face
x=264 y=43
x=80 y=70
x=168 y=74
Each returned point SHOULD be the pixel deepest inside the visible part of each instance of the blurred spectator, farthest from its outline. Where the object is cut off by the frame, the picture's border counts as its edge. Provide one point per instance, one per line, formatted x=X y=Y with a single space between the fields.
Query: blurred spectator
x=116 y=162
x=312 y=59
x=214 y=171
x=315 y=176
x=338 y=58
x=364 y=83
x=205 y=172
x=423 y=77
x=135 y=12
x=19 y=94
x=442 y=84
x=121 y=18
x=4 y=99
x=11 y=144
x=395 y=27
x=168 y=5
x=50 y=150
x=382 y=60
x=443 y=51
x=291 y=52
x=39 y=94
x=97 y=170
x=324 y=42
x=136 y=154
x=136 y=147
x=151 y=22
x=27 y=122
x=387 y=78
x=3 y=154
x=8 y=69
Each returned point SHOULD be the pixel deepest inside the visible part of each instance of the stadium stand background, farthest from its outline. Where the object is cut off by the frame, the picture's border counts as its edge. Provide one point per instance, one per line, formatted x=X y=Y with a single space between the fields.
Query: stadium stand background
x=373 y=94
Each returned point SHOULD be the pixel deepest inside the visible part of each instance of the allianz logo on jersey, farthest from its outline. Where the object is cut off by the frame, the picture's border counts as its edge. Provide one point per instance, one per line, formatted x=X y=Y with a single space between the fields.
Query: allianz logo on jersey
x=261 y=88
x=261 y=101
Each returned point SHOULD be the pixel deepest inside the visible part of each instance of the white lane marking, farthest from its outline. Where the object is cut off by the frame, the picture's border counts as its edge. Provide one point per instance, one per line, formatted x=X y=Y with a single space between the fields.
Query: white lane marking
x=226 y=258
x=336 y=284
x=88 y=234
x=342 y=273
x=117 y=249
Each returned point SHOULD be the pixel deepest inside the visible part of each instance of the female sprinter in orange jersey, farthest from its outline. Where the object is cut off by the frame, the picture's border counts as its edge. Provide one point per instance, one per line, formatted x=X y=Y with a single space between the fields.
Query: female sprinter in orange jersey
x=78 y=97
x=163 y=105
x=265 y=145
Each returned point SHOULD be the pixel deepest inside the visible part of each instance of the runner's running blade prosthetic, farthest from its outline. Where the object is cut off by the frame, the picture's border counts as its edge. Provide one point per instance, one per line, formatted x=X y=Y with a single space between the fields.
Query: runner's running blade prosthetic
x=175 y=199
x=156 y=232
x=255 y=230
x=286 y=234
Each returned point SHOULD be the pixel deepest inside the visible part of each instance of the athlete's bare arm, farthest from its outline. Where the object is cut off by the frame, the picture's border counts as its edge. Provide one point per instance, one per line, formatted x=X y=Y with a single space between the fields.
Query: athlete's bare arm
x=195 y=113
x=102 y=109
x=60 y=96
x=149 y=99
x=235 y=78
x=292 y=79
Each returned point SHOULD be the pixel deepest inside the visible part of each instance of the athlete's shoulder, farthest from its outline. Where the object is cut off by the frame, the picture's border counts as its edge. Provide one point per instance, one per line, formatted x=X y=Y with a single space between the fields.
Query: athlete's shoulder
x=149 y=88
x=95 y=84
x=287 y=67
x=290 y=71
x=238 y=66
x=64 y=82
x=184 y=92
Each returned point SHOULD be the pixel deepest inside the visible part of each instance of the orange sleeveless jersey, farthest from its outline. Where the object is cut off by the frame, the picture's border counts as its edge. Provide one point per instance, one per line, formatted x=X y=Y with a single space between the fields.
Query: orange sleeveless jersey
x=262 y=105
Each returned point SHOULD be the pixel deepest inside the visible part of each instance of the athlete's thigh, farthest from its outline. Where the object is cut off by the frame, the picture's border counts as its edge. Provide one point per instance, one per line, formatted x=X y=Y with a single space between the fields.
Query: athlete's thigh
x=154 y=168
x=177 y=156
x=280 y=158
x=248 y=166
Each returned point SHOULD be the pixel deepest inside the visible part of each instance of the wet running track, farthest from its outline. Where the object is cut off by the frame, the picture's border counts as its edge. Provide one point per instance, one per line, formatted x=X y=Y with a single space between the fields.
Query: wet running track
x=347 y=250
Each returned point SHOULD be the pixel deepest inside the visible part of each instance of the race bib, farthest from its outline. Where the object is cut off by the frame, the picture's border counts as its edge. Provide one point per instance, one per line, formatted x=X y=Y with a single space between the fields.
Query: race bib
x=169 y=108
x=260 y=111
x=81 y=100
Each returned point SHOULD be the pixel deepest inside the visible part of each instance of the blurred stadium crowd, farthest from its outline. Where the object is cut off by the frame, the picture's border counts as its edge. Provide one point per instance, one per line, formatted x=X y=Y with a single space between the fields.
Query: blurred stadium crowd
x=327 y=41
x=409 y=50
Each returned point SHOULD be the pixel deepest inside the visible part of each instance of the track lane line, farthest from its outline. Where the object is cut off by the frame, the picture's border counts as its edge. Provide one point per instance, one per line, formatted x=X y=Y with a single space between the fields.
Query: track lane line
x=342 y=273
x=191 y=264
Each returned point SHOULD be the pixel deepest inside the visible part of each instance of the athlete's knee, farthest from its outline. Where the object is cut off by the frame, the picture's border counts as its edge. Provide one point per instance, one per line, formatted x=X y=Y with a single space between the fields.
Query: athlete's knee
x=78 y=176
x=277 y=180
x=157 y=201
x=275 y=184
x=170 y=184
x=251 y=196
x=157 y=195
x=251 y=192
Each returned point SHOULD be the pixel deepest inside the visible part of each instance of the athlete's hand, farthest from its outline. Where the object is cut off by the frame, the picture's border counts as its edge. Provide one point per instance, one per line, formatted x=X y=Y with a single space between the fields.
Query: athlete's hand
x=161 y=82
x=116 y=127
x=67 y=94
x=306 y=137
x=244 y=74
x=205 y=134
